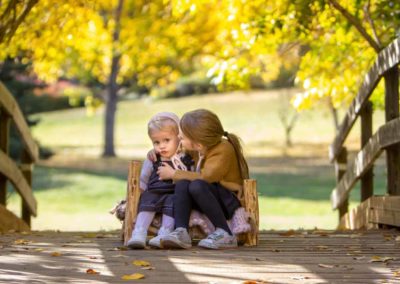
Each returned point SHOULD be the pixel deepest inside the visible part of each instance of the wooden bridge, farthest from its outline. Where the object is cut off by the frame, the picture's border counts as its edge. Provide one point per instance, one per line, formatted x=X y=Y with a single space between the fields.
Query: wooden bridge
x=363 y=256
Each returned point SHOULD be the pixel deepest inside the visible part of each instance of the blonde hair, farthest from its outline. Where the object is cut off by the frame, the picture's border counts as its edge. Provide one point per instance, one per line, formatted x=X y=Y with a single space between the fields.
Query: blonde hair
x=204 y=127
x=164 y=121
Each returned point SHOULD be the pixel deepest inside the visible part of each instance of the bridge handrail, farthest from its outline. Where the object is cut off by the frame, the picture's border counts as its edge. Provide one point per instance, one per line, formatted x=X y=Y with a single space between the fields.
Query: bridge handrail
x=387 y=138
x=387 y=59
x=19 y=175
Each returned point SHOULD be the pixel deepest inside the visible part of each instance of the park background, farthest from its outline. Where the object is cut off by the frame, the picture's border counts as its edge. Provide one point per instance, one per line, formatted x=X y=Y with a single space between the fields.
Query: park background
x=88 y=76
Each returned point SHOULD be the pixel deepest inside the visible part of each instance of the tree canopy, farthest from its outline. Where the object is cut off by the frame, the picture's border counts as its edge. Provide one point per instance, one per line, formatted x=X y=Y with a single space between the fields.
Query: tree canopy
x=327 y=45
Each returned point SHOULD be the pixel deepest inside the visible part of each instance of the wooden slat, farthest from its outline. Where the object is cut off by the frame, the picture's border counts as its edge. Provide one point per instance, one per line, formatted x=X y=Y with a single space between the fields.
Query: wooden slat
x=4 y=143
x=304 y=257
x=132 y=199
x=13 y=173
x=387 y=135
x=10 y=106
x=251 y=206
x=387 y=59
x=356 y=218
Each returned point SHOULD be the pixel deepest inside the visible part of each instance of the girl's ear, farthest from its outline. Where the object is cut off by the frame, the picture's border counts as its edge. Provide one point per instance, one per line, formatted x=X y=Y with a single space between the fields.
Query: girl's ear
x=198 y=147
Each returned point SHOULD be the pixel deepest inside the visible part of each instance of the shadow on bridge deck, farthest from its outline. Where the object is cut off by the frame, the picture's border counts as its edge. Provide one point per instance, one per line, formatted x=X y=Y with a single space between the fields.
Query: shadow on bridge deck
x=281 y=257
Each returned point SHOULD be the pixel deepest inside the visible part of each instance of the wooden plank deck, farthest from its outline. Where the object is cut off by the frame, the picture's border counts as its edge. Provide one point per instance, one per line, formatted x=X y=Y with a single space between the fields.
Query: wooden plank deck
x=286 y=257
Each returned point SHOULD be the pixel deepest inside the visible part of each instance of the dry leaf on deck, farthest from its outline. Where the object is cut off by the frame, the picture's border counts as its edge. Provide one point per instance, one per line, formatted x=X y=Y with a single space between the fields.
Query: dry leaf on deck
x=380 y=258
x=92 y=271
x=134 y=276
x=321 y=247
x=56 y=253
x=21 y=242
x=141 y=263
x=326 y=265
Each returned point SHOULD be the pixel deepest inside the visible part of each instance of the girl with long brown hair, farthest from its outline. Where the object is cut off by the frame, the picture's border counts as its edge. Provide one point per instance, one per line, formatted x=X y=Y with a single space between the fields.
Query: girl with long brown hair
x=221 y=168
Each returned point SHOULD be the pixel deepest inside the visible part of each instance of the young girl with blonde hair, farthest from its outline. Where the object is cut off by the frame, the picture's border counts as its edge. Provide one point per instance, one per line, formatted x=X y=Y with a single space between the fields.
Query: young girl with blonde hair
x=221 y=168
x=157 y=196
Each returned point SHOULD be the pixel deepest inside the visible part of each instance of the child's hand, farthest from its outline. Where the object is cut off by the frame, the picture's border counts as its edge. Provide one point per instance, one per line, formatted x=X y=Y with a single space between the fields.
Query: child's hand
x=151 y=155
x=165 y=171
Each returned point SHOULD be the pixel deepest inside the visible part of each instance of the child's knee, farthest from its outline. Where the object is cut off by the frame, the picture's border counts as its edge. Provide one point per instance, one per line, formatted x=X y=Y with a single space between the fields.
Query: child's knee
x=197 y=187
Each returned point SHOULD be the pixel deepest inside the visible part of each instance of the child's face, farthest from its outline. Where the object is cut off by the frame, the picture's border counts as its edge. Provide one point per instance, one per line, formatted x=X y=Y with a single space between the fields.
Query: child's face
x=165 y=143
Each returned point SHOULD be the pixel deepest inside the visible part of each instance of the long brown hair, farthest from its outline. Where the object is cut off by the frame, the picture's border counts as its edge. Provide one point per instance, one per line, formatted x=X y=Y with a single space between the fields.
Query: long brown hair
x=204 y=127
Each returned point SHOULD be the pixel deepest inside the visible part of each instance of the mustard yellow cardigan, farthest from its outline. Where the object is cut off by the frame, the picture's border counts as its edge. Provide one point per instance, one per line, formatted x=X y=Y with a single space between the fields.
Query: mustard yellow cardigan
x=219 y=164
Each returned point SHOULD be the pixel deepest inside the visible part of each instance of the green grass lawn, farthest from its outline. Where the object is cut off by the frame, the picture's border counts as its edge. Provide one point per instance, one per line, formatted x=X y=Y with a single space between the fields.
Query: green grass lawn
x=294 y=188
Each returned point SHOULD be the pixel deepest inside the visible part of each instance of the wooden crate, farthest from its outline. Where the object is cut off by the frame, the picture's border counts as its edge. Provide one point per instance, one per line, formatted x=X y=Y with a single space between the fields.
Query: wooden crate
x=249 y=202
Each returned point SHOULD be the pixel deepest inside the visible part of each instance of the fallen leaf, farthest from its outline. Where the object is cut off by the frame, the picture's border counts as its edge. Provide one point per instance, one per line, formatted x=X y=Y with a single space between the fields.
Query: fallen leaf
x=134 y=276
x=56 y=253
x=38 y=249
x=249 y=282
x=381 y=259
x=21 y=242
x=92 y=271
x=326 y=265
x=148 y=268
x=141 y=263
x=322 y=247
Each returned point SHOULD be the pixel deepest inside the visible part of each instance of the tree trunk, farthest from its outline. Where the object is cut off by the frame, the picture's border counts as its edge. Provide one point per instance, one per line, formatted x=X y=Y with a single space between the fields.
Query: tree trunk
x=112 y=88
x=334 y=115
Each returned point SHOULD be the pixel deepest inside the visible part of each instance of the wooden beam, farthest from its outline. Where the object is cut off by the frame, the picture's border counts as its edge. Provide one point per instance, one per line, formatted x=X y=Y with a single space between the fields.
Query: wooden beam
x=26 y=169
x=357 y=218
x=385 y=210
x=132 y=198
x=392 y=112
x=387 y=135
x=340 y=170
x=251 y=206
x=387 y=59
x=367 y=180
x=9 y=169
x=4 y=138
x=11 y=108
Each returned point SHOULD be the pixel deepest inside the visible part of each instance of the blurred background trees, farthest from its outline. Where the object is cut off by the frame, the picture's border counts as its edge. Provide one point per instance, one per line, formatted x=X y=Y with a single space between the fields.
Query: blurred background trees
x=116 y=49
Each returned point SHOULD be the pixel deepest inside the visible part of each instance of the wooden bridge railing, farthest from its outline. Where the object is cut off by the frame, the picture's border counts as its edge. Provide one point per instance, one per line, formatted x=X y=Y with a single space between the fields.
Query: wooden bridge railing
x=387 y=139
x=19 y=175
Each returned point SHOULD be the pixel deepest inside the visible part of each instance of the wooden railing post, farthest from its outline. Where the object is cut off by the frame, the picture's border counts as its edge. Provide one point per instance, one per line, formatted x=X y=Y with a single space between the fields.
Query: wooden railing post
x=26 y=168
x=392 y=112
x=340 y=170
x=367 y=182
x=4 y=138
x=132 y=199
